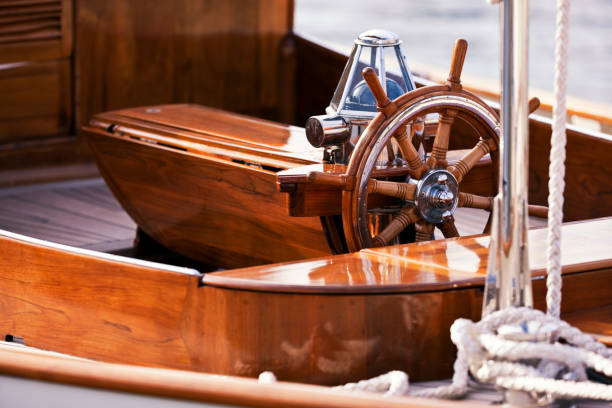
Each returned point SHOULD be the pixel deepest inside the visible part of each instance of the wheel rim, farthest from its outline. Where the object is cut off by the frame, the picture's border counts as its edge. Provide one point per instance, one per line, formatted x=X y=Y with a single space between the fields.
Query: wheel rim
x=375 y=138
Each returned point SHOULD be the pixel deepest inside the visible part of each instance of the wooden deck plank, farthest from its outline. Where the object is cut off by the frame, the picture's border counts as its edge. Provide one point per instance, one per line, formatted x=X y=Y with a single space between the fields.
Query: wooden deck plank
x=81 y=213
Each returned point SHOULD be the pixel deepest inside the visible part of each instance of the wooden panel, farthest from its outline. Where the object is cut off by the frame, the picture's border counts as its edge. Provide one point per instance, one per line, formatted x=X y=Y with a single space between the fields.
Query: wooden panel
x=212 y=210
x=116 y=312
x=92 y=307
x=36 y=72
x=35 y=100
x=221 y=54
x=596 y=321
x=35 y=31
x=588 y=172
x=318 y=72
x=330 y=339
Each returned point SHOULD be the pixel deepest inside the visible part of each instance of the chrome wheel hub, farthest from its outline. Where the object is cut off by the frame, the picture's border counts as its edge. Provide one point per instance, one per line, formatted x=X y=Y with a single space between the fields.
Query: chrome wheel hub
x=437 y=195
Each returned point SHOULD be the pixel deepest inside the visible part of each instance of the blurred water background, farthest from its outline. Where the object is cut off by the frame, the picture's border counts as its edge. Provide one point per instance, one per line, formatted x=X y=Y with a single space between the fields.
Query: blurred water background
x=429 y=29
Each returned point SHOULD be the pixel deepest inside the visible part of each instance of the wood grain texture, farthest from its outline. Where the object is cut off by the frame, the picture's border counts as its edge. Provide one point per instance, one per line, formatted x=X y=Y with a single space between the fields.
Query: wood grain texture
x=184 y=385
x=214 y=132
x=35 y=31
x=180 y=51
x=93 y=307
x=319 y=69
x=80 y=213
x=110 y=310
x=35 y=101
x=588 y=193
x=216 y=211
x=434 y=265
x=596 y=321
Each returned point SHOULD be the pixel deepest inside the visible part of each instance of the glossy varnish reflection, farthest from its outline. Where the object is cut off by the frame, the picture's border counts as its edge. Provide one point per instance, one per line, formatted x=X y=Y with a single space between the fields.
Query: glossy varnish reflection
x=372 y=319
x=446 y=264
x=202 y=182
x=328 y=320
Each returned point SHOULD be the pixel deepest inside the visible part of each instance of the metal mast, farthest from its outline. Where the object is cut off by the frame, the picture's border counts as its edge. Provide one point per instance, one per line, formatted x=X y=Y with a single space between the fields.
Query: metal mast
x=508 y=280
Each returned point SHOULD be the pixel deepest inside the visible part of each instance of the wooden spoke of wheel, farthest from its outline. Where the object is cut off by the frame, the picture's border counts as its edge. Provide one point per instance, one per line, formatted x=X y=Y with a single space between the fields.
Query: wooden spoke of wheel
x=405 y=191
x=440 y=144
x=465 y=164
x=486 y=203
x=446 y=118
x=448 y=228
x=424 y=231
x=539 y=211
x=410 y=154
x=383 y=103
x=387 y=107
x=475 y=201
x=454 y=76
x=390 y=153
x=406 y=216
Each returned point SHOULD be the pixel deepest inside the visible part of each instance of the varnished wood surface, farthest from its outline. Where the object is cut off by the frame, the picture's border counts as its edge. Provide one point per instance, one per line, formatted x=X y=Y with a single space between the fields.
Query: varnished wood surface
x=35 y=30
x=213 y=132
x=596 y=321
x=185 y=385
x=91 y=56
x=460 y=262
x=35 y=101
x=80 y=213
x=310 y=196
x=210 y=209
x=95 y=301
x=206 y=124
x=222 y=54
x=113 y=310
x=587 y=193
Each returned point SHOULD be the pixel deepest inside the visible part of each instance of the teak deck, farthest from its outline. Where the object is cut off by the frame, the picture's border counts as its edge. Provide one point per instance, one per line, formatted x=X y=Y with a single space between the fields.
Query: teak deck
x=81 y=213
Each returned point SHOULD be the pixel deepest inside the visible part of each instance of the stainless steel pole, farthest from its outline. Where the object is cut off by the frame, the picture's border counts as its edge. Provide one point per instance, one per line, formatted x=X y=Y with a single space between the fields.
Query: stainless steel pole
x=508 y=280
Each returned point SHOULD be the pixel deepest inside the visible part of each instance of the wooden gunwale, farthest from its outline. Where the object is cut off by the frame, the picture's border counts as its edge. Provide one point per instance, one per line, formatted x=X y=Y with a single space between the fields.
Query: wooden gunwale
x=188 y=385
x=105 y=257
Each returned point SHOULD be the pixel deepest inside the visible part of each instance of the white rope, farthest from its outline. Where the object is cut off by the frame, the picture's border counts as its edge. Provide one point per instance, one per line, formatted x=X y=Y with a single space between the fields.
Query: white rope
x=492 y=358
x=556 y=171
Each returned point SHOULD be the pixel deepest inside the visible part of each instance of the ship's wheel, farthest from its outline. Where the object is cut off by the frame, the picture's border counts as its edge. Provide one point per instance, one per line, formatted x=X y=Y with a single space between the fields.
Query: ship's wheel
x=428 y=191
x=386 y=199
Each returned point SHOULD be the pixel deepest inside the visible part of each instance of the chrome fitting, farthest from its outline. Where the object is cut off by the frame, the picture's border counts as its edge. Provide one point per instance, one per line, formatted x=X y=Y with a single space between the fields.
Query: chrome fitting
x=327 y=130
x=437 y=195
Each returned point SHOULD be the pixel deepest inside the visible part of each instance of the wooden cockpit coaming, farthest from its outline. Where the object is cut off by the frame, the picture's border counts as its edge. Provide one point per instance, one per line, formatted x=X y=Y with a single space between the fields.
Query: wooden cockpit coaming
x=325 y=321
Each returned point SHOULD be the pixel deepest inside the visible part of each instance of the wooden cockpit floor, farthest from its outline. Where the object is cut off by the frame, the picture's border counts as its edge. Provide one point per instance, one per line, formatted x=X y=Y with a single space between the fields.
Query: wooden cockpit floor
x=81 y=213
